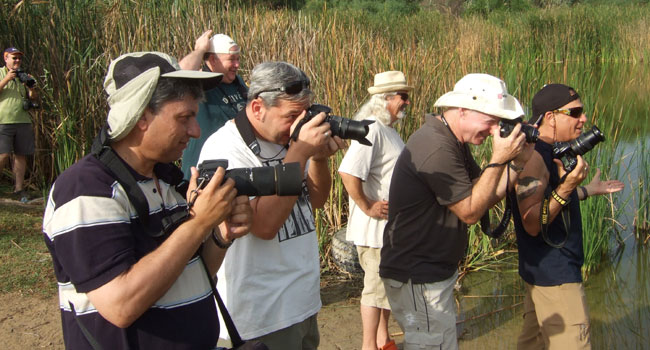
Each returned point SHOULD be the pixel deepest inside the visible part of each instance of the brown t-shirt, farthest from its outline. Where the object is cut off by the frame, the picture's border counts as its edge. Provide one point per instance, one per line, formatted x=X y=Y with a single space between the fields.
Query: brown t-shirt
x=423 y=240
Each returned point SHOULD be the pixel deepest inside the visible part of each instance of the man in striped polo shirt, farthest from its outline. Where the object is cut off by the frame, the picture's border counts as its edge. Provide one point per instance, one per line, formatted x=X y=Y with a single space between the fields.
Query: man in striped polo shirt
x=126 y=280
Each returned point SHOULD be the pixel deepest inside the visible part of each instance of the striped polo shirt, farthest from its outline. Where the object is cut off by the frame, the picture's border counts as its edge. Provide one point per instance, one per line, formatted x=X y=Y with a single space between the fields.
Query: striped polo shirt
x=94 y=234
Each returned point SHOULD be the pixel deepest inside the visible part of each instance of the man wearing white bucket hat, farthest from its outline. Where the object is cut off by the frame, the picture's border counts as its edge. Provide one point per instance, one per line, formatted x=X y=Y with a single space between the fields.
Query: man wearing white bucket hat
x=366 y=172
x=126 y=278
x=218 y=54
x=436 y=191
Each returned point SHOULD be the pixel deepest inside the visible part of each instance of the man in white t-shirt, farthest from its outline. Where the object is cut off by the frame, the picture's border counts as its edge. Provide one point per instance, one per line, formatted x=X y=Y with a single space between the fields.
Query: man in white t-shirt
x=270 y=279
x=366 y=172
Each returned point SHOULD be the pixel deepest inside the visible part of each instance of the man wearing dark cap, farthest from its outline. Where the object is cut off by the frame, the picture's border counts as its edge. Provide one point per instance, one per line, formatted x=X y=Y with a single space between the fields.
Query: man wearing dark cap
x=16 y=135
x=126 y=280
x=550 y=250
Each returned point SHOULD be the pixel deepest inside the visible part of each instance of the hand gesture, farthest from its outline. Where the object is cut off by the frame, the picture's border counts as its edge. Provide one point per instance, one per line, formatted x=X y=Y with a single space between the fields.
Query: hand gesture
x=596 y=186
x=202 y=43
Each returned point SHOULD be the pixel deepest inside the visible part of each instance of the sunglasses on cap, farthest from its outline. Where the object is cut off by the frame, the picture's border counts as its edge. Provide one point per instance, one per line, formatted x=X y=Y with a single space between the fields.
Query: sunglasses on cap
x=574 y=112
x=291 y=88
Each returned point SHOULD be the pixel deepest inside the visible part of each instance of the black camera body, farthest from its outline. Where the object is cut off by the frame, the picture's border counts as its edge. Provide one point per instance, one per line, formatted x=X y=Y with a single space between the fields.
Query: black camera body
x=568 y=151
x=27 y=104
x=344 y=128
x=282 y=179
x=25 y=78
x=506 y=126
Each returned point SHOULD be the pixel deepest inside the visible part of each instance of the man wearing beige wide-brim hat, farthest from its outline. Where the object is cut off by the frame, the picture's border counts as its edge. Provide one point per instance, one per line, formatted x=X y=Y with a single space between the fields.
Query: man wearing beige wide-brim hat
x=436 y=191
x=366 y=172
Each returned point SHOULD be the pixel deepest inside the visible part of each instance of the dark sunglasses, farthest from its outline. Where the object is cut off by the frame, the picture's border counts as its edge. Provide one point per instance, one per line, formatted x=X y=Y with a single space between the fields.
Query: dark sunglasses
x=291 y=88
x=403 y=95
x=574 y=112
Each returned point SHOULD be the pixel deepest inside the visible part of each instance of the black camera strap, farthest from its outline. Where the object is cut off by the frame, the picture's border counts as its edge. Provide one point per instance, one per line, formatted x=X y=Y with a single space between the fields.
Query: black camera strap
x=246 y=131
x=507 y=211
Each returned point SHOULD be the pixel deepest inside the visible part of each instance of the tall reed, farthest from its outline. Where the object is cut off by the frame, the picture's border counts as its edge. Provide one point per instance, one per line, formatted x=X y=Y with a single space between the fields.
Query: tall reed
x=69 y=45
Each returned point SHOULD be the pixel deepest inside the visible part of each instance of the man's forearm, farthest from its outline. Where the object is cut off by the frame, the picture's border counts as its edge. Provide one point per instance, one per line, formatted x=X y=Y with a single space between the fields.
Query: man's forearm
x=319 y=181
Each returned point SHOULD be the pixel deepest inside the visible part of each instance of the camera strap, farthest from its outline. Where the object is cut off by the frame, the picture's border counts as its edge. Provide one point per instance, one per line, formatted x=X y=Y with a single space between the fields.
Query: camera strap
x=544 y=216
x=246 y=131
x=507 y=212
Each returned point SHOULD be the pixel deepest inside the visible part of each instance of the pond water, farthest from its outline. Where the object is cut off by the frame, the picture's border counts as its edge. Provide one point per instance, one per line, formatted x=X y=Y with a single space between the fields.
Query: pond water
x=618 y=291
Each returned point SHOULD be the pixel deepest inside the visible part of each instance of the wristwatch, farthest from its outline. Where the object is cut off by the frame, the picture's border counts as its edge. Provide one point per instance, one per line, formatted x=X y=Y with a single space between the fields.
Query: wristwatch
x=517 y=169
x=216 y=238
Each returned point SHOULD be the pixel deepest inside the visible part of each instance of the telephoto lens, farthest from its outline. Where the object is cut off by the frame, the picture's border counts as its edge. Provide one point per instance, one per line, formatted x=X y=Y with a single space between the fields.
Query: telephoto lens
x=344 y=128
x=282 y=179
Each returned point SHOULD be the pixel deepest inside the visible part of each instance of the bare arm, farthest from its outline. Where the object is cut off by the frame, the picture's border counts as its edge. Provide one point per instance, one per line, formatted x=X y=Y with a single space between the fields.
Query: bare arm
x=530 y=190
x=126 y=297
x=374 y=209
x=490 y=187
x=194 y=59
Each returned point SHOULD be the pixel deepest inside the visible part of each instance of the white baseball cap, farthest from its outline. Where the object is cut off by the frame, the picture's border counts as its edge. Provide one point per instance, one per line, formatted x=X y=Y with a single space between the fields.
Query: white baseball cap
x=221 y=43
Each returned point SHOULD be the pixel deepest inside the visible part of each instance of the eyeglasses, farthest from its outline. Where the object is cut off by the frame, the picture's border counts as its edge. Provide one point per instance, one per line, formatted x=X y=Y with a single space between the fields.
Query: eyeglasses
x=403 y=95
x=291 y=88
x=574 y=112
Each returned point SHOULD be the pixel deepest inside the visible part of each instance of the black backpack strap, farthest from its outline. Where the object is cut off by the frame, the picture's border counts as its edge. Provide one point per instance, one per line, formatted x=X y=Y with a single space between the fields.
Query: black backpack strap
x=105 y=154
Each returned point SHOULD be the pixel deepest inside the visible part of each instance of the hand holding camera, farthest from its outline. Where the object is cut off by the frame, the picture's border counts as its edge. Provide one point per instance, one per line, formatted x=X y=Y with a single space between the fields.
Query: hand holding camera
x=211 y=201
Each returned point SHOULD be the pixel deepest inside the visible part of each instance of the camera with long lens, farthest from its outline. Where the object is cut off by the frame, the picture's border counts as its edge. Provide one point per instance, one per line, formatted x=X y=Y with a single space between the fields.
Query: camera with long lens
x=281 y=179
x=506 y=126
x=344 y=128
x=568 y=151
x=25 y=78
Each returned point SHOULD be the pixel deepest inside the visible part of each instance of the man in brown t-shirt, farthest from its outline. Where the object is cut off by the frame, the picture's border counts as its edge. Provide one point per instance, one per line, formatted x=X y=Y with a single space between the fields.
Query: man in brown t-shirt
x=437 y=189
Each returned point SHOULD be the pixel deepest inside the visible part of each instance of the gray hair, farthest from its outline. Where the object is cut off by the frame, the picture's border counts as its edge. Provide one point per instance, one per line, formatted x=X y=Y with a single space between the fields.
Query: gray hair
x=273 y=75
x=376 y=106
x=174 y=89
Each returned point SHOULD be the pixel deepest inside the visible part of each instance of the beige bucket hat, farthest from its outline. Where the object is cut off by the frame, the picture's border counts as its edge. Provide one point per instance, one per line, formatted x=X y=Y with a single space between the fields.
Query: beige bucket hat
x=131 y=81
x=389 y=82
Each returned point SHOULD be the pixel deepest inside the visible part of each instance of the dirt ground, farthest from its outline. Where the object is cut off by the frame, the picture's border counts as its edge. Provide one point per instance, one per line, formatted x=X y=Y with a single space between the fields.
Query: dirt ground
x=34 y=323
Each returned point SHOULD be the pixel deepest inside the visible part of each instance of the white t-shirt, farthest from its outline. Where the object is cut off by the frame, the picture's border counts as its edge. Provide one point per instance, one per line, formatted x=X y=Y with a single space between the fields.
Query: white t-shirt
x=374 y=166
x=267 y=285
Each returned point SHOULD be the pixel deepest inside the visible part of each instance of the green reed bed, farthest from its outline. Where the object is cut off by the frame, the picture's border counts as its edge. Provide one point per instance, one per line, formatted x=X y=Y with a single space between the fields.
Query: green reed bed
x=69 y=46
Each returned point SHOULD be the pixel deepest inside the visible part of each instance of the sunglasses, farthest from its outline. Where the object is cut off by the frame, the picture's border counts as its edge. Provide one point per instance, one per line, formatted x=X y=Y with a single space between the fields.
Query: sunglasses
x=574 y=112
x=403 y=95
x=291 y=88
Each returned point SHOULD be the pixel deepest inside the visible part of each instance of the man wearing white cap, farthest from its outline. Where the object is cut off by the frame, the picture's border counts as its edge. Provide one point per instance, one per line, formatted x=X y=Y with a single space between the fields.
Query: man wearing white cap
x=436 y=191
x=220 y=53
x=366 y=172
x=127 y=279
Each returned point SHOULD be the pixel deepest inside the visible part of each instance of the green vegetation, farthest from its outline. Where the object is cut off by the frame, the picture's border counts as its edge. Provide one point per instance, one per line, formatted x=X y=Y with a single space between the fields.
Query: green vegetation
x=600 y=49
x=26 y=264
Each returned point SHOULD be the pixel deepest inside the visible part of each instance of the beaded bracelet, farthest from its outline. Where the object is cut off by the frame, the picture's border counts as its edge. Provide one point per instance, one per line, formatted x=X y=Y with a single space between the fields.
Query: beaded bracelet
x=559 y=199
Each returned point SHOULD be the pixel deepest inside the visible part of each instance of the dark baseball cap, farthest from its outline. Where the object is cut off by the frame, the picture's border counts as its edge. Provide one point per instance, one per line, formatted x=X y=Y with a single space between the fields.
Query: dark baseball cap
x=12 y=50
x=550 y=98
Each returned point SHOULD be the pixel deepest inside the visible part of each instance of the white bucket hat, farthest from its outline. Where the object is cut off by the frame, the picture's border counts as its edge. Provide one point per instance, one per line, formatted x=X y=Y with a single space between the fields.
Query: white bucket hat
x=131 y=81
x=483 y=93
x=221 y=43
x=389 y=82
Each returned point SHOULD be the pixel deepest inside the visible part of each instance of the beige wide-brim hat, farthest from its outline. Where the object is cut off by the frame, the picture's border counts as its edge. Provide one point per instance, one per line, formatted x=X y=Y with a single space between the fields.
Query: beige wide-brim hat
x=390 y=81
x=131 y=81
x=483 y=93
